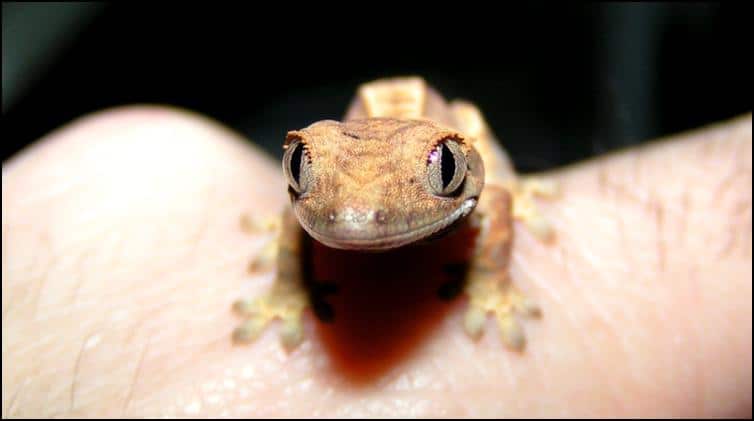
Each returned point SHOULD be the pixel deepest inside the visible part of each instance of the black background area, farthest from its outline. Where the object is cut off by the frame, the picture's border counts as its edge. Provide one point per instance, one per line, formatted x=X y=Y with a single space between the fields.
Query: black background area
x=557 y=83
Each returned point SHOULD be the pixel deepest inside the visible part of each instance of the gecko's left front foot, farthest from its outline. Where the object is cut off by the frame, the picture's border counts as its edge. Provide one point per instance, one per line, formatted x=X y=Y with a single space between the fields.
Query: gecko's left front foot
x=493 y=293
x=488 y=284
x=523 y=192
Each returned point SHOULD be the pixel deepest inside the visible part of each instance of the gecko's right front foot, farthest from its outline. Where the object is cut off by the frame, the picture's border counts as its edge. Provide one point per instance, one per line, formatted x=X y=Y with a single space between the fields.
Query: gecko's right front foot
x=287 y=299
x=259 y=312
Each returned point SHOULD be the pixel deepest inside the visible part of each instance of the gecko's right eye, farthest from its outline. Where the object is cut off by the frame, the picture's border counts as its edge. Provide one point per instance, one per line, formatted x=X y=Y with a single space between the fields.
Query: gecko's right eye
x=296 y=167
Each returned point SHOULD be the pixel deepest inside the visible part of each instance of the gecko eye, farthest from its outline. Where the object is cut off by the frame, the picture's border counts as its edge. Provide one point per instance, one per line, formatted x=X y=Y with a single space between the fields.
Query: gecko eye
x=446 y=168
x=296 y=167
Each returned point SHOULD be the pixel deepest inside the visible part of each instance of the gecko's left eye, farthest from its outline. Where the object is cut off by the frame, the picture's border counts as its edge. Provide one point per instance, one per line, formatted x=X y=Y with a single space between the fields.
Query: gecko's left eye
x=446 y=168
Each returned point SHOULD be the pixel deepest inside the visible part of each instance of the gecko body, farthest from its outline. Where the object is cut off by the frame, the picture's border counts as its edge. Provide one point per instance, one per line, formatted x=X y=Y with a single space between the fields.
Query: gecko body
x=403 y=168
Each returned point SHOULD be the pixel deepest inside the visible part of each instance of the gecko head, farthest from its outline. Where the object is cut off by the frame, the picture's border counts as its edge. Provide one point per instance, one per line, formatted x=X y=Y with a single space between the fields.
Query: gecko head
x=379 y=183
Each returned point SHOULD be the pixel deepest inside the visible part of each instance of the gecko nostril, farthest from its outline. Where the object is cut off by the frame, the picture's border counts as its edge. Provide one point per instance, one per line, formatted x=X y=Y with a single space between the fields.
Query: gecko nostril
x=380 y=216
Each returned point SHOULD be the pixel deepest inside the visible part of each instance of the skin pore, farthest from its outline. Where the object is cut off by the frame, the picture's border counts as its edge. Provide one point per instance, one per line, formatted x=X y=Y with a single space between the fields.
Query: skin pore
x=122 y=252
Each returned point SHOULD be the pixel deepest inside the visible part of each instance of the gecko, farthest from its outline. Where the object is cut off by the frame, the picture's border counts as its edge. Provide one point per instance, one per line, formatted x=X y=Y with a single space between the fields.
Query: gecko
x=403 y=167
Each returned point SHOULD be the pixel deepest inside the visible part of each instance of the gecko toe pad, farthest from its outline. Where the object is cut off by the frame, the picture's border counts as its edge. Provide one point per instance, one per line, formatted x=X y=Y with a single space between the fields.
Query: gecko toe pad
x=287 y=306
x=488 y=295
x=525 y=209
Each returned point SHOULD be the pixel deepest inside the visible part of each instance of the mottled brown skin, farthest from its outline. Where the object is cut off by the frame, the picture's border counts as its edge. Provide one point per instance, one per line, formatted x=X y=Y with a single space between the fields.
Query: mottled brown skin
x=369 y=187
x=365 y=184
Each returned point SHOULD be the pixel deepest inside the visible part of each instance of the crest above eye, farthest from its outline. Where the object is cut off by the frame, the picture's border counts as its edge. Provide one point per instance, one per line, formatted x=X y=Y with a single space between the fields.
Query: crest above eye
x=446 y=168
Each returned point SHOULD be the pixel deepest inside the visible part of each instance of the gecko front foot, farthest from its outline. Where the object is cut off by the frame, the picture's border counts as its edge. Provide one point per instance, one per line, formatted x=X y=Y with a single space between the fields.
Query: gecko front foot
x=488 y=294
x=287 y=299
x=259 y=312
x=254 y=226
x=524 y=209
x=488 y=283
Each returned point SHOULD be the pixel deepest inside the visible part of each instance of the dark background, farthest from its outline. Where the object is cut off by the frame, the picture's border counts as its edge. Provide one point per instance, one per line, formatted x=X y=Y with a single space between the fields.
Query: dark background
x=557 y=83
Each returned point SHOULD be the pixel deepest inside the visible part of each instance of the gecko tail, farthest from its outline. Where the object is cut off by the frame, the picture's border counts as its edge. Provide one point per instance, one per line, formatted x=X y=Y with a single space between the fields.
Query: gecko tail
x=408 y=97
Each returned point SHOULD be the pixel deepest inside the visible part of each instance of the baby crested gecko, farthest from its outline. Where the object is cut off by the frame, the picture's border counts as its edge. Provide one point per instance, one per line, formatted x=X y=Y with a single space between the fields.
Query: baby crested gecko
x=402 y=167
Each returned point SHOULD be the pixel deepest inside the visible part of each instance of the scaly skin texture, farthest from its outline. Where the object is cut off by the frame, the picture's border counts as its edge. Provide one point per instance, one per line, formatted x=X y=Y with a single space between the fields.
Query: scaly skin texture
x=370 y=183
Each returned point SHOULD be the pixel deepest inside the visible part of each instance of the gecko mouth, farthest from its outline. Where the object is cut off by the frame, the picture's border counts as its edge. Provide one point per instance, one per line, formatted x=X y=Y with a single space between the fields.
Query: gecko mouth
x=359 y=239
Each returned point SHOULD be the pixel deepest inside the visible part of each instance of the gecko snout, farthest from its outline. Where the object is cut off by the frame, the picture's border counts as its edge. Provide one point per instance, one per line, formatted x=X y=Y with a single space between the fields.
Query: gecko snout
x=355 y=217
x=355 y=222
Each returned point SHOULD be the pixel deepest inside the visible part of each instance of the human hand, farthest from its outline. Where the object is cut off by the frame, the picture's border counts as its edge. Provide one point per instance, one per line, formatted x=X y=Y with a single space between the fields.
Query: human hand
x=122 y=255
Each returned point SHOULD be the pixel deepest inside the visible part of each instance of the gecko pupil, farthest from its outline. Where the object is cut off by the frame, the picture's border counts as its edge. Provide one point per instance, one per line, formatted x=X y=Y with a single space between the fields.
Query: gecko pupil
x=447 y=166
x=296 y=163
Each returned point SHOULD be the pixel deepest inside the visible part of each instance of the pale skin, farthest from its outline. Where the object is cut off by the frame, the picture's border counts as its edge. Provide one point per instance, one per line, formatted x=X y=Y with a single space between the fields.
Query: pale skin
x=119 y=265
